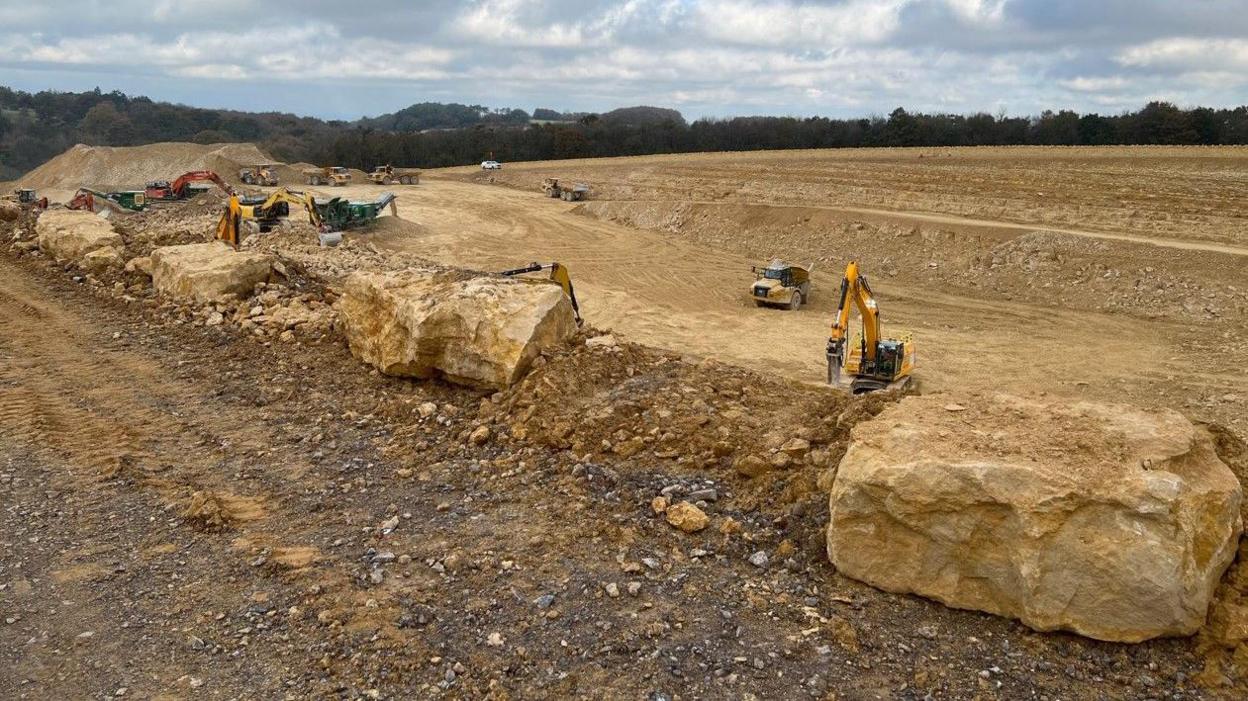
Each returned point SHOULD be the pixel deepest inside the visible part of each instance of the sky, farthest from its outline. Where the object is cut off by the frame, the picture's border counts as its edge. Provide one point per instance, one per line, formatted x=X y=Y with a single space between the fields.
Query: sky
x=716 y=58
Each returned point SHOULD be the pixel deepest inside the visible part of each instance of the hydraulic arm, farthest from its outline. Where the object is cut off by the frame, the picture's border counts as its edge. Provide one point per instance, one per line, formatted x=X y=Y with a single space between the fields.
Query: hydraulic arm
x=559 y=274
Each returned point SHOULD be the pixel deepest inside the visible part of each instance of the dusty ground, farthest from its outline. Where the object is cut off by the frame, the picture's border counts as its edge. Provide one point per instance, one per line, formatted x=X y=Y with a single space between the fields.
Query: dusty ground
x=1145 y=301
x=189 y=511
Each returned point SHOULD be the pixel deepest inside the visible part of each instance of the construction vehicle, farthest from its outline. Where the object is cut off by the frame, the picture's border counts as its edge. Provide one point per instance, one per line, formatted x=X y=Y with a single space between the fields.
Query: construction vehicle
x=329 y=175
x=95 y=201
x=265 y=214
x=263 y=174
x=339 y=214
x=330 y=218
x=389 y=175
x=870 y=362
x=568 y=193
x=781 y=284
x=559 y=274
x=28 y=199
x=183 y=187
x=266 y=211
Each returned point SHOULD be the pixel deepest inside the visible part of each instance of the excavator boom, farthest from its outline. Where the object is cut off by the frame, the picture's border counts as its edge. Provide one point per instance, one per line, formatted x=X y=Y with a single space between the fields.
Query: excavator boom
x=559 y=274
x=180 y=189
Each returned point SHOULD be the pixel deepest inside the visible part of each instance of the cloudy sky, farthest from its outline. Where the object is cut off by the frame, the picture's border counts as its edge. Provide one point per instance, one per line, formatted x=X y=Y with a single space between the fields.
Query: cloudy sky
x=704 y=57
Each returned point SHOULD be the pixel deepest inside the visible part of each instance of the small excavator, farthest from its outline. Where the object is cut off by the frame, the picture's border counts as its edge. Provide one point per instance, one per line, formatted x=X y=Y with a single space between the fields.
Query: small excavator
x=181 y=188
x=871 y=362
x=559 y=274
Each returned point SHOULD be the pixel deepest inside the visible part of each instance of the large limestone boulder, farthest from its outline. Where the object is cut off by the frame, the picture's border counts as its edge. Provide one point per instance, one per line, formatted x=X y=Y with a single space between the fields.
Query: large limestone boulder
x=204 y=272
x=10 y=211
x=67 y=234
x=1105 y=520
x=483 y=331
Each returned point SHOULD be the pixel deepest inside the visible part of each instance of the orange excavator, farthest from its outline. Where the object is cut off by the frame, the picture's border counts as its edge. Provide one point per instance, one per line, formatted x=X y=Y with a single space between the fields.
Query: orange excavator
x=181 y=189
x=871 y=362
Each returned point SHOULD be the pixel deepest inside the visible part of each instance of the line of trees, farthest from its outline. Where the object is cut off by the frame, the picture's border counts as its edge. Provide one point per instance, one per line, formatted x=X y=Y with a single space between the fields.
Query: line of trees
x=1156 y=123
x=36 y=127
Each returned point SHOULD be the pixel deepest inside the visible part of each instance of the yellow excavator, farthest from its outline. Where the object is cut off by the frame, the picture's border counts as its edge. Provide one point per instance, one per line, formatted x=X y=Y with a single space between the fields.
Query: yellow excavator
x=871 y=362
x=558 y=274
x=264 y=213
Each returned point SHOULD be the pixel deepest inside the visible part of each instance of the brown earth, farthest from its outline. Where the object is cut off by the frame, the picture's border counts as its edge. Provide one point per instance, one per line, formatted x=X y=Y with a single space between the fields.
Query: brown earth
x=206 y=509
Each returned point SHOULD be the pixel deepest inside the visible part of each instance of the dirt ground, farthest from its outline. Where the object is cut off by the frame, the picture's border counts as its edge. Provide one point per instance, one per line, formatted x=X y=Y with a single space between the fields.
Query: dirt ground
x=1116 y=309
x=194 y=511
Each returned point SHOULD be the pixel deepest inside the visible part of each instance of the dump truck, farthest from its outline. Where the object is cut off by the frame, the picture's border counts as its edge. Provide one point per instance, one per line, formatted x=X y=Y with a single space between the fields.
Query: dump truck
x=781 y=284
x=329 y=175
x=389 y=175
x=574 y=192
x=263 y=174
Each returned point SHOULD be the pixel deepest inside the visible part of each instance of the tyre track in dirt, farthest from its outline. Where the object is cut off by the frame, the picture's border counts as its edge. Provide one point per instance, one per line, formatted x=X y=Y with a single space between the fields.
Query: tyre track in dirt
x=113 y=418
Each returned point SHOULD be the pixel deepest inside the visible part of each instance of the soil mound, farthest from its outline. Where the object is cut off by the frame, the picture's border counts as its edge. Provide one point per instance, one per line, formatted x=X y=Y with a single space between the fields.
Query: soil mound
x=129 y=167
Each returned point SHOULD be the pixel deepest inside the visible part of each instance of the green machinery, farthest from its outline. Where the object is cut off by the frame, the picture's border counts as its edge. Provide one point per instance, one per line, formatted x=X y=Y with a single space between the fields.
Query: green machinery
x=92 y=200
x=339 y=214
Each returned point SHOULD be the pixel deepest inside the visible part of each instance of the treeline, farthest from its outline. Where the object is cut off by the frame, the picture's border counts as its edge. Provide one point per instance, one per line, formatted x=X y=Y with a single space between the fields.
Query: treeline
x=1156 y=123
x=35 y=127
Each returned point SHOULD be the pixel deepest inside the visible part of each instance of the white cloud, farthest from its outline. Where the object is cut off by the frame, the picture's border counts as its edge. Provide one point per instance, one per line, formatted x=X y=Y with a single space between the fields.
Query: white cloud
x=499 y=22
x=978 y=11
x=1188 y=54
x=1095 y=84
x=785 y=23
x=291 y=53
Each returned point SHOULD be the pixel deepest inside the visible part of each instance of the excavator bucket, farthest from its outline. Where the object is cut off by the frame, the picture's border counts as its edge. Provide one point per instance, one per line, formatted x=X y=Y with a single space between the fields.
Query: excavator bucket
x=230 y=224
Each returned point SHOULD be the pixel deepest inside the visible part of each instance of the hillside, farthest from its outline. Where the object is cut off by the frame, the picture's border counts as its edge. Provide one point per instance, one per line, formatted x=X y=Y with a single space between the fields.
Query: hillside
x=124 y=168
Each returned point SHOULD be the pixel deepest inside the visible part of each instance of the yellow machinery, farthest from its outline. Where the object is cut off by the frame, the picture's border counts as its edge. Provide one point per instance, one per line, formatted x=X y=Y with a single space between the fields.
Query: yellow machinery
x=389 y=175
x=559 y=274
x=264 y=213
x=781 y=284
x=259 y=174
x=871 y=362
x=329 y=175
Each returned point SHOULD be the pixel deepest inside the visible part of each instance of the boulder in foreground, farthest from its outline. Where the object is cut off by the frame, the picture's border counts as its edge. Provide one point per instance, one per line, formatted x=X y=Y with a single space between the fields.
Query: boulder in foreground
x=482 y=332
x=1106 y=520
x=67 y=234
x=204 y=272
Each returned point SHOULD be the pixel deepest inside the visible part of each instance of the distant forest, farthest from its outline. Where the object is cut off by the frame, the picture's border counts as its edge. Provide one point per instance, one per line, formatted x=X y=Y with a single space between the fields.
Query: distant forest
x=36 y=127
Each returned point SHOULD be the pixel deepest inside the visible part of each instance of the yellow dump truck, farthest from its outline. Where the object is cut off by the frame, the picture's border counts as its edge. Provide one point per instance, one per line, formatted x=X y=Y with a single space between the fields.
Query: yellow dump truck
x=568 y=192
x=781 y=284
x=389 y=175
x=329 y=175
